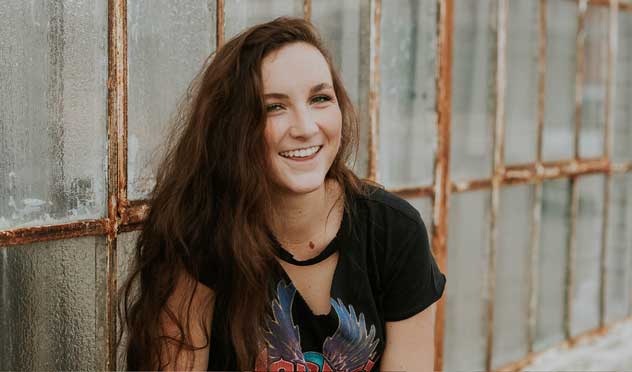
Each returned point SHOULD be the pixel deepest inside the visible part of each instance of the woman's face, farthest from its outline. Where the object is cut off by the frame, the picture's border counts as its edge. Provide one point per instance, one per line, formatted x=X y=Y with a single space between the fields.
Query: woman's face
x=304 y=121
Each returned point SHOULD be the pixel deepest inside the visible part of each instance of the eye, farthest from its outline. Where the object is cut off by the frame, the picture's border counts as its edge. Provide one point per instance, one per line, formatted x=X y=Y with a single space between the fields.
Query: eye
x=273 y=107
x=321 y=98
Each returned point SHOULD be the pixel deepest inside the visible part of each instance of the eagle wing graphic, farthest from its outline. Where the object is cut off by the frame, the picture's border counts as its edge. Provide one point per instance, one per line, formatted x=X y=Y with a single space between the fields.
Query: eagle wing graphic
x=282 y=335
x=350 y=347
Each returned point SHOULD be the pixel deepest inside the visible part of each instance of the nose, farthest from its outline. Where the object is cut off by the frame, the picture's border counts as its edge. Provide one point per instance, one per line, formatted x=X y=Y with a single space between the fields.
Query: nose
x=304 y=123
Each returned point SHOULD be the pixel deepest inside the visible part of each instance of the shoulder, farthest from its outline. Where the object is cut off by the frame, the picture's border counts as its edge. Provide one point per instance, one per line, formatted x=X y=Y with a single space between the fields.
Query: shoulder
x=384 y=205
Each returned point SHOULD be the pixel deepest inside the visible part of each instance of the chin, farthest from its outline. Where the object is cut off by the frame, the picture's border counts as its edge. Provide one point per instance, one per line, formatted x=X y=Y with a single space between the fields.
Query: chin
x=301 y=186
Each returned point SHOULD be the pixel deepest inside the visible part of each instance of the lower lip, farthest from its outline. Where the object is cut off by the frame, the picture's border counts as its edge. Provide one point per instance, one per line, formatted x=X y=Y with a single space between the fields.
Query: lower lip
x=312 y=156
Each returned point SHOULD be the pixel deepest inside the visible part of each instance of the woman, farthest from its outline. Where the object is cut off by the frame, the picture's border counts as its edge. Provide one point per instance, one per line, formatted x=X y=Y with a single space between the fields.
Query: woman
x=261 y=249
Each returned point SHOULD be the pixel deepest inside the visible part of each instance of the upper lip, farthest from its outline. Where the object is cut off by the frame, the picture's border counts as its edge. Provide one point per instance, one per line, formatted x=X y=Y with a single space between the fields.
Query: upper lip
x=302 y=148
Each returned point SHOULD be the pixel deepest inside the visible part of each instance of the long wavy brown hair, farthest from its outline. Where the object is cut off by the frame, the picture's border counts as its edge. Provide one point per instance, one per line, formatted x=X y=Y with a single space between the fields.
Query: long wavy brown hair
x=212 y=199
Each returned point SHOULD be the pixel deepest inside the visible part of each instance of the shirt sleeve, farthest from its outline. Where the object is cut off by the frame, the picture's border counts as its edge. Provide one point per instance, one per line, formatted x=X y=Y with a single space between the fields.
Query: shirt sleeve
x=412 y=280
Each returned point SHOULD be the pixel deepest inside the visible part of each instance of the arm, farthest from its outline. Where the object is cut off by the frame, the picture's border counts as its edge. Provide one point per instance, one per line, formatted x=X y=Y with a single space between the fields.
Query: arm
x=410 y=343
x=201 y=316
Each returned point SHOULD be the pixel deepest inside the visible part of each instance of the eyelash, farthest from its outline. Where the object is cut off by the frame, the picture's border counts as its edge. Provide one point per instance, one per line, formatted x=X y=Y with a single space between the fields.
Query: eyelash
x=326 y=98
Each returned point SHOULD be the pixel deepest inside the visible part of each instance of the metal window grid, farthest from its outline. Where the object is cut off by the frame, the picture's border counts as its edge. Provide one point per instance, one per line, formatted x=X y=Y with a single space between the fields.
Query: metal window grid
x=125 y=215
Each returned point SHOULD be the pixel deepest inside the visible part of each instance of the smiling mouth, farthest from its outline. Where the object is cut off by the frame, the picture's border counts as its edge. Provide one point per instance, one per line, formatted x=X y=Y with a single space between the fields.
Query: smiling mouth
x=306 y=153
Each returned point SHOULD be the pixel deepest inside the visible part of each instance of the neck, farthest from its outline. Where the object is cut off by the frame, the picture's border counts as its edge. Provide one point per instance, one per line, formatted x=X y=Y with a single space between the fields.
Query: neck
x=300 y=219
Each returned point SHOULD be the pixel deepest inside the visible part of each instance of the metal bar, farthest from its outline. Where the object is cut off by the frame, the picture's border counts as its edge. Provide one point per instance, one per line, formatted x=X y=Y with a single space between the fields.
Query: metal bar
x=473 y=185
x=219 y=26
x=117 y=158
x=572 y=238
x=624 y=6
x=536 y=212
x=28 y=235
x=498 y=166
x=610 y=97
x=579 y=74
x=374 y=88
x=307 y=10
x=441 y=181
x=414 y=192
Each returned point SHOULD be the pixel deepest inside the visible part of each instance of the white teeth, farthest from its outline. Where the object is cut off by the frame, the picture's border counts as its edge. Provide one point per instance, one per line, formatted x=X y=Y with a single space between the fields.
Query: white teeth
x=303 y=153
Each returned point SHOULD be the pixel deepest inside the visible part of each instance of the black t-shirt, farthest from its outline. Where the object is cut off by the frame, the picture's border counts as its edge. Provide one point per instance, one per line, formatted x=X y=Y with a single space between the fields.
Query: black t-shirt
x=385 y=272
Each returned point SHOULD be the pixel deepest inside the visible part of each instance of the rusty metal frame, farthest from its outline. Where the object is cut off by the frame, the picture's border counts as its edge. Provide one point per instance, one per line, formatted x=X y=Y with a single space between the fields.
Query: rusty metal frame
x=498 y=137
x=125 y=215
x=117 y=158
x=441 y=192
x=624 y=6
x=374 y=88
x=307 y=10
x=534 y=253
x=613 y=23
x=220 y=24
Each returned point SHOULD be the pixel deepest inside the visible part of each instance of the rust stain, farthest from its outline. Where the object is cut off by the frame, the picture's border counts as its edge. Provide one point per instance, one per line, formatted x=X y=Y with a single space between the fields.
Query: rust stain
x=307 y=10
x=441 y=193
x=219 y=37
x=28 y=235
x=374 y=90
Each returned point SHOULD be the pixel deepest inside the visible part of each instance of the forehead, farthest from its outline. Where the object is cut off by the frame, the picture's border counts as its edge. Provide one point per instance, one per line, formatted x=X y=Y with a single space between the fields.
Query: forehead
x=294 y=66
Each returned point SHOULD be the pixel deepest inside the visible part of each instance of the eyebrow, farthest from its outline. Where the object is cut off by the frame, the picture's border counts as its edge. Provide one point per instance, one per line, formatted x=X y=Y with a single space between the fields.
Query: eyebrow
x=314 y=89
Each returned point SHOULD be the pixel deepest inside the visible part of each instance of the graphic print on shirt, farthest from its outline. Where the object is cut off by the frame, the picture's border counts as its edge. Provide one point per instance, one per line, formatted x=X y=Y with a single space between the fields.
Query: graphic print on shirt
x=351 y=348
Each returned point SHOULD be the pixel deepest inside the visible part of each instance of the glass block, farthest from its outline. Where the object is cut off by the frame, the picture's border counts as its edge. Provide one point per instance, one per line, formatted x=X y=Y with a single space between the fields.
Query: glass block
x=424 y=206
x=622 y=131
x=241 y=14
x=408 y=113
x=51 y=293
x=591 y=138
x=345 y=29
x=521 y=98
x=53 y=112
x=168 y=43
x=473 y=82
x=513 y=262
x=561 y=57
x=619 y=250
x=468 y=257
x=552 y=259
x=585 y=306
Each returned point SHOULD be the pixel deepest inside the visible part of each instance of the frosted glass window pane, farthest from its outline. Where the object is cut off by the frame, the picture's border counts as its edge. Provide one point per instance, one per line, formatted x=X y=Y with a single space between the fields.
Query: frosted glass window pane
x=622 y=146
x=511 y=299
x=561 y=56
x=126 y=244
x=51 y=292
x=168 y=43
x=468 y=256
x=585 y=308
x=552 y=258
x=521 y=101
x=594 y=90
x=245 y=13
x=473 y=76
x=408 y=51
x=345 y=29
x=53 y=111
x=619 y=248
